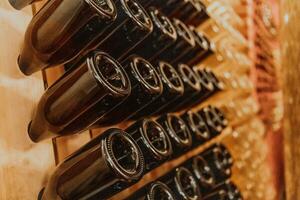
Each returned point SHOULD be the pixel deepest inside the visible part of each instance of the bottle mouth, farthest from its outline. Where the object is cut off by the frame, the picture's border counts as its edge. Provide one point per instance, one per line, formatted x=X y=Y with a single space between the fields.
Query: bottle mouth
x=183 y=31
x=198 y=125
x=203 y=171
x=156 y=139
x=160 y=191
x=199 y=38
x=204 y=79
x=136 y=11
x=110 y=73
x=179 y=130
x=124 y=155
x=186 y=184
x=147 y=75
x=171 y=77
x=189 y=76
x=105 y=7
x=163 y=23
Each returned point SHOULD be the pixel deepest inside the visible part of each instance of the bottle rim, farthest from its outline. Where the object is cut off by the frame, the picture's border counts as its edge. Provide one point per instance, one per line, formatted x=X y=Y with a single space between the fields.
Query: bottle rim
x=220 y=115
x=159 y=187
x=145 y=73
x=199 y=38
x=138 y=14
x=221 y=161
x=198 y=125
x=189 y=76
x=202 y=171
x=184 y=32
x=220 y=85
x=163 y=23
x=170 y=77
x=175 y=123
x=203 y=79
x=181 y=177
x=110 y=74
x=131 y=173
x=160 y=147
x=212 y=120
x=106 y=8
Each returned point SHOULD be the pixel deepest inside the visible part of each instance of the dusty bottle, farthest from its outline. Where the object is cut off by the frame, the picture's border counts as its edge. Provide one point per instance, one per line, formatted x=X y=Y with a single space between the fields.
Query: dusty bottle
x=191 y=87
x=198 y=52
x=152 y=140
x=153 y=191
x=146 y=87
x=61 y=30
x=197 y=126
x=80 y=97
x=101 y=168
x=185 y=41
x=133 y=26
x=163 y=35
x=178 y=133
x=202 y=172
x=183 y=184
x=218 y=163
x=172 y=89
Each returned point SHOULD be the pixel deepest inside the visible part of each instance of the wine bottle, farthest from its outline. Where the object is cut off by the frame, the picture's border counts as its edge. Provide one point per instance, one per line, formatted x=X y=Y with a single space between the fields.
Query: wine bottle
x=146 y=87
x=63 y=29
x=195 y=15
x=178 y=133
x=163 y=35
x=80 y=97
x=184 y=42
x=200 y=51
x=172 y=89
x=103 y=167
x=219 y=115
x=231 y=190
x=202 y=172
x=206 y=89
x=152 y=140
x=214 y=79
x=153 y=191
x=183 y=184
x=197 y=126
x=191 y=87
x=218 y=163
x=133 y=26
x=212 y=121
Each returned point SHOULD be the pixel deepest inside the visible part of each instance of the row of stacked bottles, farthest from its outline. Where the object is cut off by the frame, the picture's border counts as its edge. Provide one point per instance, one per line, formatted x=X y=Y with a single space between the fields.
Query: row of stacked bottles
x=176 y=71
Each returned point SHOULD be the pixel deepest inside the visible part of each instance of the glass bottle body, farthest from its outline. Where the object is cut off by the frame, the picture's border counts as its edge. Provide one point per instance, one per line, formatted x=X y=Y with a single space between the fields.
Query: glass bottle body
x=80 y=97
x=61 y=30
x=104 y=166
